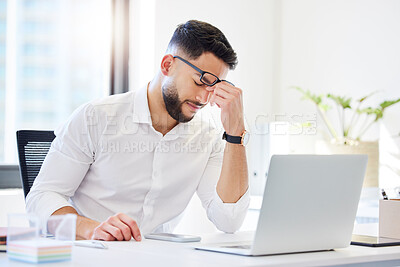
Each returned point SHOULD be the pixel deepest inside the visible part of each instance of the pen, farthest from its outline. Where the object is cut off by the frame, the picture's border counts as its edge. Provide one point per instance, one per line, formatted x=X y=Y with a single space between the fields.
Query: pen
x=385 y=197
x=91 y=244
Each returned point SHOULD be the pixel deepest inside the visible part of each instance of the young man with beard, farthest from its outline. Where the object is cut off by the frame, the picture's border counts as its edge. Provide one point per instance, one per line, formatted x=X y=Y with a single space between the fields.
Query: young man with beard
x=129 y=164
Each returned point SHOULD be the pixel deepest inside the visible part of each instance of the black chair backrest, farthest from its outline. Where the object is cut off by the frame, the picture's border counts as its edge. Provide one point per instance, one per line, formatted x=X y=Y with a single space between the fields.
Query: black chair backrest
x=33 y=147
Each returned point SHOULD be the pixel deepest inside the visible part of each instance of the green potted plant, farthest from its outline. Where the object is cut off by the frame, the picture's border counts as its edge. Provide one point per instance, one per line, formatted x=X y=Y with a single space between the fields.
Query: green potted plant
x=354 y=120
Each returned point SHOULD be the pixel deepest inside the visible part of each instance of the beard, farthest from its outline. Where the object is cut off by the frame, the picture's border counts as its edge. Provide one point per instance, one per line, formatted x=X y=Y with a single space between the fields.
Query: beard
x=173 y=104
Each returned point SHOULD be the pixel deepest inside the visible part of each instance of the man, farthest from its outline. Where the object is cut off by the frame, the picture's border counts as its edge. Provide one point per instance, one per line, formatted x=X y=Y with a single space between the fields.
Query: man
x=129 y=164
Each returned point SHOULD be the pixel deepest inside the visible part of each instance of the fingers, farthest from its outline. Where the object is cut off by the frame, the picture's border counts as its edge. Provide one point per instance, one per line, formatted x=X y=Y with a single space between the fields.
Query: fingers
x=225 y=86
x=132 y=225
x=217 y=100
x=222 y=93
x=235 y=91
x=218 y=92
x=114 y=231
x=230 y=100
x=124 y=229
x=225 y=91
x=118 y=227
x=100 y=234
x=218 y=96
x=104 y=236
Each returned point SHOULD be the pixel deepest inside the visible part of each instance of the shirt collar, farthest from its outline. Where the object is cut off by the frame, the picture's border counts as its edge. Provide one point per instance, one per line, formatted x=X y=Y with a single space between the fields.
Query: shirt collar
x=141 y=111
x=186 y=129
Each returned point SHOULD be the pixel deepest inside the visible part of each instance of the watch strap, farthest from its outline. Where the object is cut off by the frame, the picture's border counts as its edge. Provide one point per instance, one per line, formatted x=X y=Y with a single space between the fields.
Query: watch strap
x=232 y=139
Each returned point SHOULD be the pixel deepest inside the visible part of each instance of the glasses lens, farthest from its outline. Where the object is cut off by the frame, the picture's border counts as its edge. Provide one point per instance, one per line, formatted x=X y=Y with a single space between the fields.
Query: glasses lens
x=209 y=79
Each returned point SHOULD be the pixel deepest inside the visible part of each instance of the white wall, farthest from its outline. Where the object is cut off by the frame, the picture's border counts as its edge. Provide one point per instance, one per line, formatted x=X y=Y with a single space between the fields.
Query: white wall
x=248 y=25
x=346 y=47
x=339 y=46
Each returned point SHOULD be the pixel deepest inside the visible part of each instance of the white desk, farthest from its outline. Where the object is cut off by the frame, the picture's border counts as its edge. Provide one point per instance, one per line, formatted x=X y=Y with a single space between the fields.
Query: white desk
x=161 y=253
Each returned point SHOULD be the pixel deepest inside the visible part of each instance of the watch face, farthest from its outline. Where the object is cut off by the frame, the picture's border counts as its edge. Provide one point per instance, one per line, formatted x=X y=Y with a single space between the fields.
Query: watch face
x=245 y=138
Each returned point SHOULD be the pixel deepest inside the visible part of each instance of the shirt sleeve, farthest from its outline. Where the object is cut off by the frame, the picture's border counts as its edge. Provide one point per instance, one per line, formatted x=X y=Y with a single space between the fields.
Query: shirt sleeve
x=69 y=158
x=227 y=217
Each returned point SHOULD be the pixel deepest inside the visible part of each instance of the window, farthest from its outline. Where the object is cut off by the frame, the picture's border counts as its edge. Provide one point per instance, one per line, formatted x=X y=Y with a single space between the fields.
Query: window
x=54 y=56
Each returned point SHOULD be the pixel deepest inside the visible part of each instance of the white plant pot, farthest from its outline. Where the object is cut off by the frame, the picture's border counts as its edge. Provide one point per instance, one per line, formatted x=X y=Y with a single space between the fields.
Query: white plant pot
x=369 y=148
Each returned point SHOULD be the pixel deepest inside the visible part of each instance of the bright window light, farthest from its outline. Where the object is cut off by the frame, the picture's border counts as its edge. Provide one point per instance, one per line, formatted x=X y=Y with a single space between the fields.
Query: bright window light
x=54 y=56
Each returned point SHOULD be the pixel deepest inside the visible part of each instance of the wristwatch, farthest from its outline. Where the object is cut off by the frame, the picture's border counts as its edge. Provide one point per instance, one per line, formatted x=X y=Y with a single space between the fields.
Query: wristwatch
x=242 y=140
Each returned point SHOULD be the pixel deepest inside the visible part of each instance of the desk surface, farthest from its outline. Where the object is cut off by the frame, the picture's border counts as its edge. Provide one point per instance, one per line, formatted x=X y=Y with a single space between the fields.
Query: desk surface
x=156 y=253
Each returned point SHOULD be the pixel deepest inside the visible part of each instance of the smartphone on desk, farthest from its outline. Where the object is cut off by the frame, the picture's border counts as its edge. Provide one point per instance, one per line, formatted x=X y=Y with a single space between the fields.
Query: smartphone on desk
x=374 y=241
x=173 y=237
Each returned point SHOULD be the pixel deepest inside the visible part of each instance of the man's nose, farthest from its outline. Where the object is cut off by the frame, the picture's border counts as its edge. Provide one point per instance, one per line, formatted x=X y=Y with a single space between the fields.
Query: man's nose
x=203 y=96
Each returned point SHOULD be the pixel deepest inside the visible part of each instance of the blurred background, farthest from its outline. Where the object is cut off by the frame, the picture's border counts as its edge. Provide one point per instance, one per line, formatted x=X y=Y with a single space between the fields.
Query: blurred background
x=58 y=54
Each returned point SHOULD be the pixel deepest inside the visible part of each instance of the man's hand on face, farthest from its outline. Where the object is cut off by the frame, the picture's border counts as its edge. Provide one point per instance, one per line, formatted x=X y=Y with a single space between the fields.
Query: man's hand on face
x=229 y=99
x=118 y=227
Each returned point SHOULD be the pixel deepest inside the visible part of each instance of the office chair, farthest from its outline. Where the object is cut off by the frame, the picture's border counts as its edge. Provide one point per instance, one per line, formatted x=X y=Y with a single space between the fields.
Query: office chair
x=33 y=147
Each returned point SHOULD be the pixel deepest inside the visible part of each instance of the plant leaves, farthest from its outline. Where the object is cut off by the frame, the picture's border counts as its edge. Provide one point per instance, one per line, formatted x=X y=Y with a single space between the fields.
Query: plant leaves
x=324 y=107
x=317 y=99
x=345 y=103
x=378 y=112
x=388 y=103
x=367 y=111
x=362 y=99
x=341 y=100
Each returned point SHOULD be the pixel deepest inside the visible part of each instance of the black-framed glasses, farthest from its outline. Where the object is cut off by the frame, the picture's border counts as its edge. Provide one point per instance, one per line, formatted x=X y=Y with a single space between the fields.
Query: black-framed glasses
x=206 y=77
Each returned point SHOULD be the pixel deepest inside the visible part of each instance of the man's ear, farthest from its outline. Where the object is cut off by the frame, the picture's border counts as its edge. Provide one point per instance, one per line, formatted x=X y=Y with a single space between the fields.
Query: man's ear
x=166 y=64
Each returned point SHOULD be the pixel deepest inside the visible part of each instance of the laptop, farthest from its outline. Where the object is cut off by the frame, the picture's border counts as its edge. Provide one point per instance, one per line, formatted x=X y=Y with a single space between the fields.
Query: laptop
x=310 y=204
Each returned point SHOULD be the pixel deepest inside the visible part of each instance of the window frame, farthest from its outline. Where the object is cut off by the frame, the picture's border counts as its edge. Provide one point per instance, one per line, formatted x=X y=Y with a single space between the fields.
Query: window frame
x=119 y=73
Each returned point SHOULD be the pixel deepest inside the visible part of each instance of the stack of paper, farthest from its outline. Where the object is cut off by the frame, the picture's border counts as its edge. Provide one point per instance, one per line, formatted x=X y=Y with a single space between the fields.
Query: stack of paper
x=39 y=250
x=3 y=238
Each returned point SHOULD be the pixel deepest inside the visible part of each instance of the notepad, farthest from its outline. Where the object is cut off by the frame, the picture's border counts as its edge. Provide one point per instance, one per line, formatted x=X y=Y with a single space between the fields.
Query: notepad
x=39 y=250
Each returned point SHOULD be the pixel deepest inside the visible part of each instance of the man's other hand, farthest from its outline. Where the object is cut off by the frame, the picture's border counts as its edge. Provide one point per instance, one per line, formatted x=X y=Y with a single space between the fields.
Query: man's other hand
x=118 y=227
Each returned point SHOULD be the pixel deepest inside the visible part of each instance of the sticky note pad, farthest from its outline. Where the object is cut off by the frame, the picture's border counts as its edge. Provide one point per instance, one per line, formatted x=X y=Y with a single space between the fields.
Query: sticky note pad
x=39 y=250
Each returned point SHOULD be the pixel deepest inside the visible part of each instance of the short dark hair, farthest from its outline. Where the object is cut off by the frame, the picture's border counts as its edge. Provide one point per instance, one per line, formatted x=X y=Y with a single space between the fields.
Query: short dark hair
x=196 y=37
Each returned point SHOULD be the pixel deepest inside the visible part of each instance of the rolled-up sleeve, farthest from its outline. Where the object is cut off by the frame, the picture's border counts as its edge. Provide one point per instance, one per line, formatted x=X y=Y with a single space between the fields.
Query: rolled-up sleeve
x=69 y=158
x=227 y=217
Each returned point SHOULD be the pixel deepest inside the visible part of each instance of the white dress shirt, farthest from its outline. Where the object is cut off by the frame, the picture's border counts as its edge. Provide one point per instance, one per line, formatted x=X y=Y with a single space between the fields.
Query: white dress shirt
x=108 y=158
